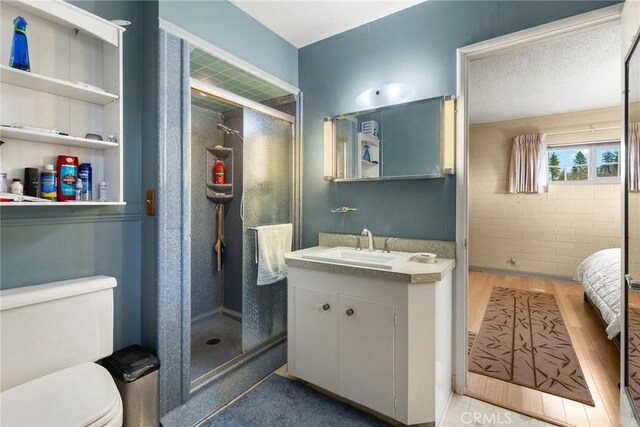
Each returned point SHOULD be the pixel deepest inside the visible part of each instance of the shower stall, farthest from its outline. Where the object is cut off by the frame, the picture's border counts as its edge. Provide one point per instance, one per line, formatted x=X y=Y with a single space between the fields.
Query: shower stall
x=230 y=315
x=213 y=320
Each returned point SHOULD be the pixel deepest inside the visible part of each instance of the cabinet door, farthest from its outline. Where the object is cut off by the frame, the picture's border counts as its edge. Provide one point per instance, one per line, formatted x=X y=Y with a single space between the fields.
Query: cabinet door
x=316 y=337
x=367 y=347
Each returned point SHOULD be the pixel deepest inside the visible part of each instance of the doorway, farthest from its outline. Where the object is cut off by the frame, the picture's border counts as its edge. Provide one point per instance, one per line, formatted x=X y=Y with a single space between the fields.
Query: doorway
x=498 y=225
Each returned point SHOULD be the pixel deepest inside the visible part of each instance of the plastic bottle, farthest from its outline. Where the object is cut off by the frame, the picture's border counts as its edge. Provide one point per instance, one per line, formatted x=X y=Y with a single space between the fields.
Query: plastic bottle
x=219 y=173
x=85 y=174
x=19 y=48
x=4 y=184
x=48 y=183
x=366 y=156
x=16 y=186
x=79 y=189
x=67 y=177
x=102 y=192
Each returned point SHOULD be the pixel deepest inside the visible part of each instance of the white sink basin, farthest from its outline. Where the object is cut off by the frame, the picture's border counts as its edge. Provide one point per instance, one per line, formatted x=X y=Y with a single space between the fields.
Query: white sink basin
x=364 y=258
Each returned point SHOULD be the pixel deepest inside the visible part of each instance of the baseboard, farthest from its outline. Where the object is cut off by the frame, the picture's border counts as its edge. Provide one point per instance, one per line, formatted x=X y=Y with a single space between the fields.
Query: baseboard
x=522 y=273
x=446 y=407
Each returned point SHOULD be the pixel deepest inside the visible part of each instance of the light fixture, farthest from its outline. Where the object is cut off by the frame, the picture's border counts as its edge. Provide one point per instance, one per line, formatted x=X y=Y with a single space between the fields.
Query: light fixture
x=386 y=94
x=449 y=136
x=329 y=149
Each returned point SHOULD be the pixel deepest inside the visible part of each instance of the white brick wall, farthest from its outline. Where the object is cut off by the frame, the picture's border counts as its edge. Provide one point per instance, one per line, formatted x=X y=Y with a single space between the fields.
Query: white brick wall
x=547 y=233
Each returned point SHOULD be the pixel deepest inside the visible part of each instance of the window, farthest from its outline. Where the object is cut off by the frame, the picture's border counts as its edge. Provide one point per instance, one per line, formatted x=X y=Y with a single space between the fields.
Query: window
x=593 y=163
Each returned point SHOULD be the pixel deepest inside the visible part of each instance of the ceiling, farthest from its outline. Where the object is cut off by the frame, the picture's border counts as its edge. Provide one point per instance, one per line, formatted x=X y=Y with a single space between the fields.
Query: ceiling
x=302 y=22
x=572 y=73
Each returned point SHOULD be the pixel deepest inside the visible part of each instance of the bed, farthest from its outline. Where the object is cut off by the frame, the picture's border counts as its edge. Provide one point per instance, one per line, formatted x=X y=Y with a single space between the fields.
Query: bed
x=600 y=276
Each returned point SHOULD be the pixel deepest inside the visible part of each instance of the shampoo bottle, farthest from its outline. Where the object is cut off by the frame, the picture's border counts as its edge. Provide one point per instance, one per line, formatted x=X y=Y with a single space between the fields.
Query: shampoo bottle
x=19 y=48
x=218 y=173
x=48 y=183
x=67 y=177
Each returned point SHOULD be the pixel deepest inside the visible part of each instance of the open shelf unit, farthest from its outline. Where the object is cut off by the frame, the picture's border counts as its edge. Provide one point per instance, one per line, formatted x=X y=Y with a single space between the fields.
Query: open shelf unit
x=368 y=169
x=58 y=204
x=52 y=138
x=74 y=55
x=220 y=193
x=55 y=86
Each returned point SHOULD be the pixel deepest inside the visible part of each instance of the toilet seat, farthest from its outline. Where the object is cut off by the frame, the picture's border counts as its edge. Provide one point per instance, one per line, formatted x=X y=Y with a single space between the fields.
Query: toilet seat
x=82 y=395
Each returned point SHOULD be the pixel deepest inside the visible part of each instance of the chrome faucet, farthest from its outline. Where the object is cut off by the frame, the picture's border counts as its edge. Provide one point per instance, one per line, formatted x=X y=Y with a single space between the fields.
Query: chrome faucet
x=358 y=245
x=369 y=234
x=386 y=245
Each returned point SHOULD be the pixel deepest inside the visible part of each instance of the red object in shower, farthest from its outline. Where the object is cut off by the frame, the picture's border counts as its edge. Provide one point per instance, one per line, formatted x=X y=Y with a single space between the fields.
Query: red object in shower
x=218 y=173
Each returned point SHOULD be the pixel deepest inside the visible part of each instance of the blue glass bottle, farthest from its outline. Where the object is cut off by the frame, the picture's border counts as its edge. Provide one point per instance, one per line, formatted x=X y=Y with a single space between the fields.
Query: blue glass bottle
x=366 y=156
x=19 y=48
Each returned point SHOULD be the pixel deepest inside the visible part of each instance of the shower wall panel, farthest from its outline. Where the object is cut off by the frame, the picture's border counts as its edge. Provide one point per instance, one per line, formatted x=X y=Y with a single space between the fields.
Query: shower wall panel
x=206 y=284
x=233 y=224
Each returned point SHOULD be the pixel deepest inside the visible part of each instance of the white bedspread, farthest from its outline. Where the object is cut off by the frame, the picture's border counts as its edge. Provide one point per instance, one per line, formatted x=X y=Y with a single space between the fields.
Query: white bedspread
x=600 y=275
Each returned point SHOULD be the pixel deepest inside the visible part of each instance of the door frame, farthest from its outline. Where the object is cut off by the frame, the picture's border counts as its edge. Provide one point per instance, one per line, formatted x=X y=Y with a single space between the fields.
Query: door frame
x=606 y=16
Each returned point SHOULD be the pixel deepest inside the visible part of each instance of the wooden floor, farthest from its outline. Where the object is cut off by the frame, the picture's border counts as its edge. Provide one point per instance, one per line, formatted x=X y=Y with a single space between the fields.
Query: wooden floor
x=598 y=356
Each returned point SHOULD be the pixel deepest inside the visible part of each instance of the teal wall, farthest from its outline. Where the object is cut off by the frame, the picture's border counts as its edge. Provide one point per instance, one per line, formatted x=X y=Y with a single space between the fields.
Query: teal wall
x=416 y=46
x=229 y=28
x=45 y=244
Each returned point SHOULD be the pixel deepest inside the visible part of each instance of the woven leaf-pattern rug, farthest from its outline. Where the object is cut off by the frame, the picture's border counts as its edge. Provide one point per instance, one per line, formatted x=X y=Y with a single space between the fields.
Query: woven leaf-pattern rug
x=523 y=340
x=633 y=347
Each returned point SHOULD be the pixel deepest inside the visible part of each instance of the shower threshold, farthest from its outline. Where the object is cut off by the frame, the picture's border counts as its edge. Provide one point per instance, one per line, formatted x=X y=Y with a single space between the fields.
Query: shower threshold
x=203 y=380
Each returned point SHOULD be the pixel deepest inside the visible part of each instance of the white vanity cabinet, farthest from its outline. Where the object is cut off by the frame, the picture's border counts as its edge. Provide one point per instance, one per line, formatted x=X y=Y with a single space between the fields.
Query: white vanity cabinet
x=316 y=338
x=352 y=336
x=74 y=89
x=381 y=343
x=366 y=348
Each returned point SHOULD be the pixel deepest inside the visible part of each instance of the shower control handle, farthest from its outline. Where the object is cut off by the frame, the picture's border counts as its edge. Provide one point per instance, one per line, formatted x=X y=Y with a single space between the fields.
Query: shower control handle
x=326 y=307
x=350 y=312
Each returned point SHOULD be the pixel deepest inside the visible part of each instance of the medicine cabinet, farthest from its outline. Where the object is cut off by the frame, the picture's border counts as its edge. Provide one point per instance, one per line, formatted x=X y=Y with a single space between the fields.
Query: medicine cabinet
x=414 y=140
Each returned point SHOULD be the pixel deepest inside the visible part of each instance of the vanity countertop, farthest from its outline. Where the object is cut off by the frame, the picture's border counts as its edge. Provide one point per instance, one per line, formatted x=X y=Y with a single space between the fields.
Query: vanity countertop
x=410 y=272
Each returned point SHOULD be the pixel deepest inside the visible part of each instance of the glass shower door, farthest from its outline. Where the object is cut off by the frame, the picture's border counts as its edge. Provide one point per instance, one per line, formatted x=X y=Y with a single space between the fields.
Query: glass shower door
x=267 y=191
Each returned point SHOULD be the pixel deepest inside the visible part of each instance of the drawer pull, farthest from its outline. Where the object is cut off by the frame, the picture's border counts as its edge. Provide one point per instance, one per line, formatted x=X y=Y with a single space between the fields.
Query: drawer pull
x=350 y=312
x=326 y=307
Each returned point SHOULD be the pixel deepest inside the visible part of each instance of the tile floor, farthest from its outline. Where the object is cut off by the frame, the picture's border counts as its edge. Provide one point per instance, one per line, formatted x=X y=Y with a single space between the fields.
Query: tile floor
x=465 y=411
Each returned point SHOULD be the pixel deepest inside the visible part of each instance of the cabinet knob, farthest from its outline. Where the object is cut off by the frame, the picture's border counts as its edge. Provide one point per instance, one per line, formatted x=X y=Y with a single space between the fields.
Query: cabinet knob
x=326 y=307
x=350 y=312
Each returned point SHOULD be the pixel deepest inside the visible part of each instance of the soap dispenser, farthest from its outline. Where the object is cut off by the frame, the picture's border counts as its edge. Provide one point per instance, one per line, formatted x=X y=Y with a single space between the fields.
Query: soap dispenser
x=19 y=48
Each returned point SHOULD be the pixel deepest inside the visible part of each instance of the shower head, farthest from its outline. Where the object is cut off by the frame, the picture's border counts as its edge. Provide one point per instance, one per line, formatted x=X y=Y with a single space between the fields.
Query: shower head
x=228 y=131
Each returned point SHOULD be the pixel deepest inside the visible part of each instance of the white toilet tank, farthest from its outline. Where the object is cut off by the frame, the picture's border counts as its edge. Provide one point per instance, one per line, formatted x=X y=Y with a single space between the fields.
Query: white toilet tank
x=53 y=326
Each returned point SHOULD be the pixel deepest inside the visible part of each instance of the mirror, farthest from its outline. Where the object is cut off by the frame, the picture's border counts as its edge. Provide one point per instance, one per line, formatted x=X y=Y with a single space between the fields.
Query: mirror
x=405 y=141
x=632 y=228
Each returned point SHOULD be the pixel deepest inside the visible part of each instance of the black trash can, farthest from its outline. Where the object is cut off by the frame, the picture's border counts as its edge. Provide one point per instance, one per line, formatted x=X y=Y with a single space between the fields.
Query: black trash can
x=135 y=371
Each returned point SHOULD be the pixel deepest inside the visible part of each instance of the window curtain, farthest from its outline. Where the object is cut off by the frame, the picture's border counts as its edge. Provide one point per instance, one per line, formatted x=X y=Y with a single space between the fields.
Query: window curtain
x=528 y=171
x=633 y=145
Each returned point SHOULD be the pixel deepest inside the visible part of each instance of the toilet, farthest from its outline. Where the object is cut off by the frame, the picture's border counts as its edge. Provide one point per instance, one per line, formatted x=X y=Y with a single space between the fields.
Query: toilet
x=50 y=336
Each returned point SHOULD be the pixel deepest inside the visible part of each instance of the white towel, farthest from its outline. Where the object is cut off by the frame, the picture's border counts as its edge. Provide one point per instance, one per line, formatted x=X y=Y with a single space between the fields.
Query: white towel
x=273 y=242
